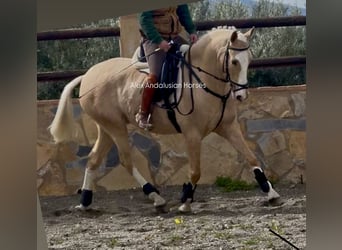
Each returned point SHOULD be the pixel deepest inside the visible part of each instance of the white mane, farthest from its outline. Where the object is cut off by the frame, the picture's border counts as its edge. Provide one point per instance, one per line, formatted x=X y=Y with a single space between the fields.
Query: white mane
x=224 y=27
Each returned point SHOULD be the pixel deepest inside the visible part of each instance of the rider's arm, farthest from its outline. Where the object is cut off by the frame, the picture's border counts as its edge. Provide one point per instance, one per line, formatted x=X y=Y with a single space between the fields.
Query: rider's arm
x=185 y=18
x=147 y=26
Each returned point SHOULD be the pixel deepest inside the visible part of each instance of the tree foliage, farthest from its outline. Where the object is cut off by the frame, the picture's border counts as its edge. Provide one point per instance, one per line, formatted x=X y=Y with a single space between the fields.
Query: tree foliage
x=73 y=54
x=267 y=42
x=276 y=42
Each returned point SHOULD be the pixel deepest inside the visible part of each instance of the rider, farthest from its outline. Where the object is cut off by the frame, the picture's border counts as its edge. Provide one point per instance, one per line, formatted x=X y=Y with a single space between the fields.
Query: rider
x=157 y=28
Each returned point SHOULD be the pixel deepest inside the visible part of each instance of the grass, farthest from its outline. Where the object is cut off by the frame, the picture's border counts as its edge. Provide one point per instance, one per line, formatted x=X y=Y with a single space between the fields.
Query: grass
x=174 y=239
x=246 y=227
x=230 y=185
x=112 y=243
x=252 y=242
x=275 y=226
x=223 y=235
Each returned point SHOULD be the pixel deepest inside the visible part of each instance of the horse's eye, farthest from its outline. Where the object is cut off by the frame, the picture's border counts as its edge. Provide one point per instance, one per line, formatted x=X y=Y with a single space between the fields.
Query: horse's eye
x=235 y=62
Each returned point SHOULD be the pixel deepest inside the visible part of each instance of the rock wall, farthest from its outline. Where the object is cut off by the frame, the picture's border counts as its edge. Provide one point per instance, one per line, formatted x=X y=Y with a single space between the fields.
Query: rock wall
x=272 y=120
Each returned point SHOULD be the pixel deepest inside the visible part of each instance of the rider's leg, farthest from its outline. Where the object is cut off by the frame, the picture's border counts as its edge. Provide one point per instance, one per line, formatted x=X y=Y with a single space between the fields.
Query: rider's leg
x=155 y=61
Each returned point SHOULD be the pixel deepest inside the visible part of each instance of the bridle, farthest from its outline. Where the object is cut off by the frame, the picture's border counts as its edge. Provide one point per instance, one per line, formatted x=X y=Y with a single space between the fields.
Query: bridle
x=235 y=86
x=225 y=68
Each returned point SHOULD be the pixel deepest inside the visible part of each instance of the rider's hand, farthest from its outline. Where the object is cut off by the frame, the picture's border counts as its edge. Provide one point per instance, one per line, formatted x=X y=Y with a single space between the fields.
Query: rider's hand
x=193 y=38
x=164 y=45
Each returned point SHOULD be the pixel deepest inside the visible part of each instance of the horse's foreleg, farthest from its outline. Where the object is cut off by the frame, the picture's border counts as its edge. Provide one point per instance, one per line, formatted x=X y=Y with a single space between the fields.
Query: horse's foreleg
x=98 y=152
x=194 y=152
x=234 y=135
x=120 y=135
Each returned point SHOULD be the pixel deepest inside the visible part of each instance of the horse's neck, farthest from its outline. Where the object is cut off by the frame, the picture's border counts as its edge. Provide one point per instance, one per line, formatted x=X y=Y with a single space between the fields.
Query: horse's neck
x=204 y=55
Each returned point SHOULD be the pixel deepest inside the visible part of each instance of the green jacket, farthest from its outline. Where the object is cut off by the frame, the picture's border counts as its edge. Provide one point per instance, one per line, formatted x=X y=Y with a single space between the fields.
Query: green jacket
x=147 y=21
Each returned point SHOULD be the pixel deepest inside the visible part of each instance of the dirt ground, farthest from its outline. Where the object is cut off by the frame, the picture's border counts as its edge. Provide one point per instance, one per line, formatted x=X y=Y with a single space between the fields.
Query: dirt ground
x=127 y=220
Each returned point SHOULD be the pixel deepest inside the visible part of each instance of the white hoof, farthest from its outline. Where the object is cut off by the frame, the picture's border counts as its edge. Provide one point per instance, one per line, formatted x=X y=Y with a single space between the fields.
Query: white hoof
x=272 y=194
x=185 y=207
x=82 y=208
x=157 y=199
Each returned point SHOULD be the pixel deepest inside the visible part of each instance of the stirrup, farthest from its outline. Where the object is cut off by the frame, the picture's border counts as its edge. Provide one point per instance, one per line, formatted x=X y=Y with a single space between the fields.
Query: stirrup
x=143 y=121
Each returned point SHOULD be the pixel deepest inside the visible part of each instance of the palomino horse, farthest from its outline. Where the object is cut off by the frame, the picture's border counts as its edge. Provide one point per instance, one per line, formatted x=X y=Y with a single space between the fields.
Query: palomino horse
x=108 y=94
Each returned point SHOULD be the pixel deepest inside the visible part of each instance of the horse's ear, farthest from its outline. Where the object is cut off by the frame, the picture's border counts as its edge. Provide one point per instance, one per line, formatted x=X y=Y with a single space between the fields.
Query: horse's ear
x=249 y=33
x=234 y=36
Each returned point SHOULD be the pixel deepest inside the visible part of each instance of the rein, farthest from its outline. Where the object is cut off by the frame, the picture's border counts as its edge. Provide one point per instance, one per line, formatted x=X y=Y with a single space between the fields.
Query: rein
x=223 y=98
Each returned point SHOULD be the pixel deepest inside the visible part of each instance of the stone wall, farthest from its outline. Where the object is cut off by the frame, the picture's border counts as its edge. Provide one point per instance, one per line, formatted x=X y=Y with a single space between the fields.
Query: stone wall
x=272 y=119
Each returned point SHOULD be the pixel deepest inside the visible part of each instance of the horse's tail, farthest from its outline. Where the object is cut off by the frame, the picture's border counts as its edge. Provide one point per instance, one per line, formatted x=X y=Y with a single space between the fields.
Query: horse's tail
x=62 y=127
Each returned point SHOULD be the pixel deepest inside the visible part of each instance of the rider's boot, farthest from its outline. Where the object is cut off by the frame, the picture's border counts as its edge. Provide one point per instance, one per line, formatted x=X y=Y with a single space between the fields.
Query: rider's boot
x=143 y=117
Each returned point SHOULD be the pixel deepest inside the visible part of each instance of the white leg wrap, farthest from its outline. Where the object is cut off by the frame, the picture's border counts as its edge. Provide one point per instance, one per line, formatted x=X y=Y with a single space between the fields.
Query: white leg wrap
x=89 y=178
x=272 y=194
x=185 y=207
x=138 y=177
x=157 y=199
x=82 y=208
x=258 y=168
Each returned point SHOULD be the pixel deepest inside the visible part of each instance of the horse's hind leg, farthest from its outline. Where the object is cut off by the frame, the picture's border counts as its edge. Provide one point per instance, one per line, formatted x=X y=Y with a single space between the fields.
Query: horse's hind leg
x=120 y=136
x=102 y=145
x=234 y=135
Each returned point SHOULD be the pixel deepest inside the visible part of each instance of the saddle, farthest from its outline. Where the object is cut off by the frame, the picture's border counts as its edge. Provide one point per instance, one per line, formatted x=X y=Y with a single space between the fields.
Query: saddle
x=168 y=79
x=165 y=95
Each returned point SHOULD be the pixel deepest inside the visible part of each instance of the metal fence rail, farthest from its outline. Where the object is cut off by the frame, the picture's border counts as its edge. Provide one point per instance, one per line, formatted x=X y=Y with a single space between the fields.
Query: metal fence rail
x=201 y=26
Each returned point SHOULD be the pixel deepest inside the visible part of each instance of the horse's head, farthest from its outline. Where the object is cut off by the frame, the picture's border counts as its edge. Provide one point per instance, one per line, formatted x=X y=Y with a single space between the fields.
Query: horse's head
x=235 y=56
x=238 y=62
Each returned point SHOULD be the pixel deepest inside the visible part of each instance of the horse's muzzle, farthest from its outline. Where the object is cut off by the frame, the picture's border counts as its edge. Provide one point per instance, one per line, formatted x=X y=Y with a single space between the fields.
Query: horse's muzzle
x=239 y=98
x=241 y=95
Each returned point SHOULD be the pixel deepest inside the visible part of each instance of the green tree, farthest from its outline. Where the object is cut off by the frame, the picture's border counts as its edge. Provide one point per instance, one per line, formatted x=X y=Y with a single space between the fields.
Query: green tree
x=200 y=10
x=73 y=54
x=277 y=42
x=232 y=9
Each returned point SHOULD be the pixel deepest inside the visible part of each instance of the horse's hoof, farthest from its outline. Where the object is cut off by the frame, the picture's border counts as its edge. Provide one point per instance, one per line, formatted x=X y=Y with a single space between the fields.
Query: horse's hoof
x=80 y=207
x=158 y=200
x=185 y=208
x=276 y=201
x=272 y=194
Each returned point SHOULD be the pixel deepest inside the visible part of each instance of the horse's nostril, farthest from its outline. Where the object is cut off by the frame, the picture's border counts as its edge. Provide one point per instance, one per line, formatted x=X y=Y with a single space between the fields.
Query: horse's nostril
x=239 y=97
